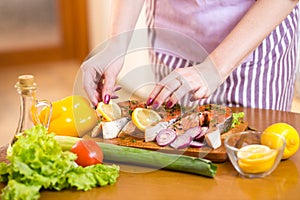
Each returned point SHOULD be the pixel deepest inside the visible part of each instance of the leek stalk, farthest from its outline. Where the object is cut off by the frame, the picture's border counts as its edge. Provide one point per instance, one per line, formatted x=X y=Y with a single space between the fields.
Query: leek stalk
x=154 y=159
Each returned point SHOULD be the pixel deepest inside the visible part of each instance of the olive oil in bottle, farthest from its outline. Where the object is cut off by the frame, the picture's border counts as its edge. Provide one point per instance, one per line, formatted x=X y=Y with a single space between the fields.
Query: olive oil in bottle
x=29 y=105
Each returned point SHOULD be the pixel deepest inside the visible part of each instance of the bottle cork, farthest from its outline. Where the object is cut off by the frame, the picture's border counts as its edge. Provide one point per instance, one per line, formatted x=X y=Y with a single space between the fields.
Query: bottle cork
x=26 y=83
x=26 y=80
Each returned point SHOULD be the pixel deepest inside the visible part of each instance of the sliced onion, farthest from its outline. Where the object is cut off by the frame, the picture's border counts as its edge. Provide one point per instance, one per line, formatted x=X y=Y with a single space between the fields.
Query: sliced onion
x=197 y=144
x=204 y=130
x=182 y=141
x=165 y=137
x=194 y=131
x=152 y=131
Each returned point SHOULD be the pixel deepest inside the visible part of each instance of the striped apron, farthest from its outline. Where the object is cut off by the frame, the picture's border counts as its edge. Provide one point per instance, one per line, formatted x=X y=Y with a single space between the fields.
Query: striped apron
x=264 y=80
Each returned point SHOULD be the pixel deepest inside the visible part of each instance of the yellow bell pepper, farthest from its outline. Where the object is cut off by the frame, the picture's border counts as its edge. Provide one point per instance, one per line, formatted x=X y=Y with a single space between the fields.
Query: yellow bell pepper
x=71 y=116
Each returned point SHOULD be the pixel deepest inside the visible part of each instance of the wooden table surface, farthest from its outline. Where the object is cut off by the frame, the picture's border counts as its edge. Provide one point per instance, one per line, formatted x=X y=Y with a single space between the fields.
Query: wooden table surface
x=144 y=183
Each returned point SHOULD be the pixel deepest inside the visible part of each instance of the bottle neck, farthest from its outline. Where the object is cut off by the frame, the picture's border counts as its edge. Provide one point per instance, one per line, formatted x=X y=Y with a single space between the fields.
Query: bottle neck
x=27 y=110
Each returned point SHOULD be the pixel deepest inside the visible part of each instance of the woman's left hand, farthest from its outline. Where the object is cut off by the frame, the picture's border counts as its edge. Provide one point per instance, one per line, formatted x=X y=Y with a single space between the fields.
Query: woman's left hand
x=200 y=80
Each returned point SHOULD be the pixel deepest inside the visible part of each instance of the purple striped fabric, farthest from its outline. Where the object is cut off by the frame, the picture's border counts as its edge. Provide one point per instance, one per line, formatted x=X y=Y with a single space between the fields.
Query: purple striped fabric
x=265 y=81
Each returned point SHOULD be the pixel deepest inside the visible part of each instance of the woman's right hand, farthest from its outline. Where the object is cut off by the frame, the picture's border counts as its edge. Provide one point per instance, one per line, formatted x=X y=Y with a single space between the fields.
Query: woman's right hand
x=99 y=78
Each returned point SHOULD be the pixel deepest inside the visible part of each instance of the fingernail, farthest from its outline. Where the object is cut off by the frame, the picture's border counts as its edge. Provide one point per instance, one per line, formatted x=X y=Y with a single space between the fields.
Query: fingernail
x=155 y=105
x=95 y=103
x=118 y=87
x=169 y=104
x=114 y=97
x=149 y=101
x=106 y=99
x=193 y=98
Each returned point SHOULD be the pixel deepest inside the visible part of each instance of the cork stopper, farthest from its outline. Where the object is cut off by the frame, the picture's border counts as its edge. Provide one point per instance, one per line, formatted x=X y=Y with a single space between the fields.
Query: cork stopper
x=26 y=82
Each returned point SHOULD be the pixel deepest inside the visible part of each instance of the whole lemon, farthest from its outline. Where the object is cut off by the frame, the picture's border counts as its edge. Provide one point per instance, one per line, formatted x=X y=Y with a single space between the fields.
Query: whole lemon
x=288 y=132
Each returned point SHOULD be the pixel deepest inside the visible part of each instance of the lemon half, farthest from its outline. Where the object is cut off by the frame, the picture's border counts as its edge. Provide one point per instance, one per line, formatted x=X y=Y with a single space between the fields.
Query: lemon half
x=256 y=158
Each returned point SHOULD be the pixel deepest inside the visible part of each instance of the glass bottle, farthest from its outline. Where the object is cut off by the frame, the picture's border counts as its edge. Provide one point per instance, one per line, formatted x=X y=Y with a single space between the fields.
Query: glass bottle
x=29 y=105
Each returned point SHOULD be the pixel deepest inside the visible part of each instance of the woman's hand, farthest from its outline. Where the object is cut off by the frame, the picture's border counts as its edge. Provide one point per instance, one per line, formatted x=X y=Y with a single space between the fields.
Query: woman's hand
x=101 y=70
x=200 y=80
x=99 y=80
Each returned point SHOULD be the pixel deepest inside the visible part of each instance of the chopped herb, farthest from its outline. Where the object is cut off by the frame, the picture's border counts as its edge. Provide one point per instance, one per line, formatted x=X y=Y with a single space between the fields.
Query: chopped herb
x=130 y=112
x=133 y=140
x=208 y=107
x=134 y=102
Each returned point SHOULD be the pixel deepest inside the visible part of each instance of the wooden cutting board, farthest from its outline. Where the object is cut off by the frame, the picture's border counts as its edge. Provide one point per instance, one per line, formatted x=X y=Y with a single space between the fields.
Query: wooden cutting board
x=215 y=155
x=221 y=115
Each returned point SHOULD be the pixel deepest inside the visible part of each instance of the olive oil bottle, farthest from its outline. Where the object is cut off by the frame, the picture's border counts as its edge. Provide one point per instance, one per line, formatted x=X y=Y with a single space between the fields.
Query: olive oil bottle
x=29 y=105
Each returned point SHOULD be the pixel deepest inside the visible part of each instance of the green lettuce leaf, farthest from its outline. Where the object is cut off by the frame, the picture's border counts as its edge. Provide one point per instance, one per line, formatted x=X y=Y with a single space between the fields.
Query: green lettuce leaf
x=4 y=171
x=16 y=190
x=37 y=161
x=237 y=118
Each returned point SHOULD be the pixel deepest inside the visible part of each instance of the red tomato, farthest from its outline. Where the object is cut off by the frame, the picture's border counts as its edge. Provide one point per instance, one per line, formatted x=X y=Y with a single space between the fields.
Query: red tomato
x=88 y=153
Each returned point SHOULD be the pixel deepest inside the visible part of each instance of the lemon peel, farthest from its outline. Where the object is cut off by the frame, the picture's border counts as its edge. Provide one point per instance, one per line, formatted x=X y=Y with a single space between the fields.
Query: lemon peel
x=143 y=117
x=288 y=132
x=110 y=111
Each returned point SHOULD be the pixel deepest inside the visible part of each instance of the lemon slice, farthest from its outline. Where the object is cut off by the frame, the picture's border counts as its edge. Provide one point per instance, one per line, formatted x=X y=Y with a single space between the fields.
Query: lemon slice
x=143 y=117
x=110 y=111
x=256 y=158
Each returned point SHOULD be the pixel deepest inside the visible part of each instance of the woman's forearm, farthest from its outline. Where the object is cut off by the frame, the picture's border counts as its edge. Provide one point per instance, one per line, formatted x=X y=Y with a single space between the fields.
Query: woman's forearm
x=261 y=19
x=124 y=16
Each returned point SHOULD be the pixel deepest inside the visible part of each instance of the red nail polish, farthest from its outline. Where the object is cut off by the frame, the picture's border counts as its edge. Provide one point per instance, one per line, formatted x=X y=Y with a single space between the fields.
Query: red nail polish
x=106 y=99
x=169 y=104
x=155 y=105
x=149 y=101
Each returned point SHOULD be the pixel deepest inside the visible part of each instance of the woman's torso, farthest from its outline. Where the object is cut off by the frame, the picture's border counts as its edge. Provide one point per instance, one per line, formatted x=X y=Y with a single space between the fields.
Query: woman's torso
x=184 y=27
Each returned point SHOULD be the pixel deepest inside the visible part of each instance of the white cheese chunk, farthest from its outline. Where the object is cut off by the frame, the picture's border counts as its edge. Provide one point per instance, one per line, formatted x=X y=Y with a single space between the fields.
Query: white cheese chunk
x=213 y=138
x=111 y=129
